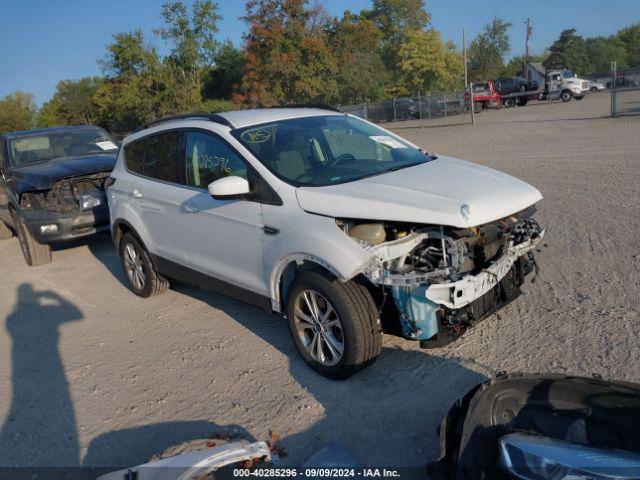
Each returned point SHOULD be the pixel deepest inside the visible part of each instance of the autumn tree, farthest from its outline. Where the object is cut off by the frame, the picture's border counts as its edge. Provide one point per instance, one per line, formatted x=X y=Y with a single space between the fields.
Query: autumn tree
x=17 y=111
x=427 y=63
x=73 y=103
x=569 y=52
x=288 y=59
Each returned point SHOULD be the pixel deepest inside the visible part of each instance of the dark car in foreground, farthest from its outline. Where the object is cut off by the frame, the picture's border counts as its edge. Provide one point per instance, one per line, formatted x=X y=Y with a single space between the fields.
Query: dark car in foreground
x=507 y=85
x=52 y=186
x=542 y=427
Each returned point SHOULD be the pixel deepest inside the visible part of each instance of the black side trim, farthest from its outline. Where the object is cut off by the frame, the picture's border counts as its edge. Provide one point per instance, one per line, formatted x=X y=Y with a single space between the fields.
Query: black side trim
x=173 y=270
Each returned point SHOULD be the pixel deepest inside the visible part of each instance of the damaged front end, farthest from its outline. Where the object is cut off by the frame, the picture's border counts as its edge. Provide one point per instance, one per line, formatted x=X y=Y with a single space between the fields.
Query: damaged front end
x=72 y=207
x=443 y=279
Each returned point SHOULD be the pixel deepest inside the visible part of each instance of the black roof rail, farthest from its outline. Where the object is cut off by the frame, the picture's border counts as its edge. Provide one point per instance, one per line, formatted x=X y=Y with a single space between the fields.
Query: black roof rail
x=212 y=117
x=308 y=105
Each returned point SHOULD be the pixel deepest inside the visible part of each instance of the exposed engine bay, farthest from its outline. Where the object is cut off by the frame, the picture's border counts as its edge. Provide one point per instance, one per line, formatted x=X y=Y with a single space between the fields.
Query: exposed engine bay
x=444 y=277
x=69 y=195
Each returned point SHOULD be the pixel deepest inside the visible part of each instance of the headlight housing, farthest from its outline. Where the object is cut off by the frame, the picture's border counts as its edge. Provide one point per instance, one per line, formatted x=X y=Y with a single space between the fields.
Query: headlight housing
x=529 y=457
x=90 y=200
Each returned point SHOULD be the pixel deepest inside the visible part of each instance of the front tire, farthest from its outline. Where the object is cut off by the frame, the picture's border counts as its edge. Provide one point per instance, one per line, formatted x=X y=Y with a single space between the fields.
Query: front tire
x=335 y=325
x=141 y=274
x=566 y=96
x=579 y=97
x=5 y=231
x=34 y=253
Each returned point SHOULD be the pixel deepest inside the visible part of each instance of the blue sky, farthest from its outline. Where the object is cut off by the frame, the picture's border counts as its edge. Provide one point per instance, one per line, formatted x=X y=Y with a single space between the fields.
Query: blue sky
x=44 y=41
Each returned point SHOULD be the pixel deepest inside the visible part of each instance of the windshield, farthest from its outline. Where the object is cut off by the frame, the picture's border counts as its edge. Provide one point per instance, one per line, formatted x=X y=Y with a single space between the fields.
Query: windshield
x=327 y=150
x=43 y=146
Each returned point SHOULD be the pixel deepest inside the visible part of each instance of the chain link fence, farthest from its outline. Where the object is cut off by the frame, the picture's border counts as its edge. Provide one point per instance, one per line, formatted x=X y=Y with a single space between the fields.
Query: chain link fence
x=419 y=107
x=625 y=91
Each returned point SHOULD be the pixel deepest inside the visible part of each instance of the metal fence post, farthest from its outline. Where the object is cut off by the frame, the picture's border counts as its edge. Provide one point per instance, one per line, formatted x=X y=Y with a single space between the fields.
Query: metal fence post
x=420 y=108
x=429 y=104
x=444 y=104
x=395 y=114
x=614 y=86
x=364 y=109
x=473 y=113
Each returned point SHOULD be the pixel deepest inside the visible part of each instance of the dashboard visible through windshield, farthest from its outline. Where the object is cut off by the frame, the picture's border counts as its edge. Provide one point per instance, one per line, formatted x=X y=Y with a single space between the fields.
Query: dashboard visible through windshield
x=327 y=150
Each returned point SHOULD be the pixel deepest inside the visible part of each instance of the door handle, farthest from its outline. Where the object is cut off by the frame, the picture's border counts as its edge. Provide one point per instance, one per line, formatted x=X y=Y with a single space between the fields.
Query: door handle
x=136 y=194
x=191 y=208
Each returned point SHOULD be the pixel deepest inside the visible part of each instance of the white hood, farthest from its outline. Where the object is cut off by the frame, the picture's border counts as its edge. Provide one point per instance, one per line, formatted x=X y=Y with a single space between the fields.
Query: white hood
x=434 y=192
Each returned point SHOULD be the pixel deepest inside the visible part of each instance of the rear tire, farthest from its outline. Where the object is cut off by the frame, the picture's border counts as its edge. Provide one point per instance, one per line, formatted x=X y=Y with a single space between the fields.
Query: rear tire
x=508 y=102
x=141 y=273
x=35 y=253
x=566 y=96
x=579 y=97
x=5 y=231
x=346 y=324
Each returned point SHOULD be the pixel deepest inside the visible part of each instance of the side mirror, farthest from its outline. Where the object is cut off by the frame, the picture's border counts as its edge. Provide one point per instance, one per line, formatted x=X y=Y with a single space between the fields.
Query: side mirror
x=228 y=187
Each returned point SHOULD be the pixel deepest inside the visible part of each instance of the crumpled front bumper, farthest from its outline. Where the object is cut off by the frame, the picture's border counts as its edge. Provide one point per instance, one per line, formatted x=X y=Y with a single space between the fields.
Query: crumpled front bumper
x=459 y=294
x=422 y=307
x=69 y=226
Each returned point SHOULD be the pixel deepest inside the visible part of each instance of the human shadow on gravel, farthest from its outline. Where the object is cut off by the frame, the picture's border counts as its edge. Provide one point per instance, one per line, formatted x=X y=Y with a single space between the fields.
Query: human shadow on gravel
x=40 y=428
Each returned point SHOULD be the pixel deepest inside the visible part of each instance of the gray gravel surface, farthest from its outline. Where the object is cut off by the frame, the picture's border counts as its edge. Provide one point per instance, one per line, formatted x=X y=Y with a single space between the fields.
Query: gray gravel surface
x=92 y=375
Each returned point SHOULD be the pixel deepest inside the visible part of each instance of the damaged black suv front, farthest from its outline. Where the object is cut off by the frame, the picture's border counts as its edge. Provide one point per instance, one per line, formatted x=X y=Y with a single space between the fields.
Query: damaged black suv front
x=52 y=186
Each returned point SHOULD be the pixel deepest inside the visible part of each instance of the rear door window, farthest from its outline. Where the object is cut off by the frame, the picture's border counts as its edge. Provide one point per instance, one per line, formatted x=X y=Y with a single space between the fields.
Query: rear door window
x=162 y=157
x=134 y=156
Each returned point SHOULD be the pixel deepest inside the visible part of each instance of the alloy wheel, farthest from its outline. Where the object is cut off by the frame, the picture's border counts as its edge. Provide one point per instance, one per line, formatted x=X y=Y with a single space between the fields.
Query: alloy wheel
x=318 y=327
x=134 y=266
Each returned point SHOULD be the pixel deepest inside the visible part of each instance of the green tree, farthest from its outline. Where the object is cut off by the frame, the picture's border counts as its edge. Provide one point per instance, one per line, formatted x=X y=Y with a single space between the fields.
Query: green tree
x=601 y=51
x=225 y=77
x=17 y=111
x=569 y=51
x=73 y=103
x=288 y=59
x=129 y=94
x=396 y=19
x=427 y=63
x=630 y=38
x=487 y=51
x=355 y=43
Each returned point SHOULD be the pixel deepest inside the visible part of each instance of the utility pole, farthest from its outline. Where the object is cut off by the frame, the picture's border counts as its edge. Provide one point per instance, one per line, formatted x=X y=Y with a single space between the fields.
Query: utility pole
x=526 y=50
x=464 y=55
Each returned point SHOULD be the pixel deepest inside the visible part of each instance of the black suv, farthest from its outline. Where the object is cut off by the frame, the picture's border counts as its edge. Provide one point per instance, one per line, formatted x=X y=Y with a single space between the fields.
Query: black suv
x=52 y=186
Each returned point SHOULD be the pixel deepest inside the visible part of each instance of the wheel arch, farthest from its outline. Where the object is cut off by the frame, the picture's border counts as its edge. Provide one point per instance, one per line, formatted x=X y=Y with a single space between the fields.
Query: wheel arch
x=288 y=267
x=120 y=228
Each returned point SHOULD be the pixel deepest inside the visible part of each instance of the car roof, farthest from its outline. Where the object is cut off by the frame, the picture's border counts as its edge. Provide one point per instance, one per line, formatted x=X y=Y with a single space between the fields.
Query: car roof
x=257 y=116
x=36 y=131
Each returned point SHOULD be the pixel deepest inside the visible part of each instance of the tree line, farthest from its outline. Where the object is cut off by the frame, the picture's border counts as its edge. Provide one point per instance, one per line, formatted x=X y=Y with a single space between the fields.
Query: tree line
x=294 y=51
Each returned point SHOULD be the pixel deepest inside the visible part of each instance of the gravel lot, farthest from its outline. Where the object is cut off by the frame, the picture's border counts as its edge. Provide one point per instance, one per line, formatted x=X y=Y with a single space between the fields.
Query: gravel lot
x=92 y=375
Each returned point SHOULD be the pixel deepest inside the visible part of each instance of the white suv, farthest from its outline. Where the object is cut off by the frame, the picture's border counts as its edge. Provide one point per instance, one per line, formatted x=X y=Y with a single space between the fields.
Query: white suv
x=346 y=228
